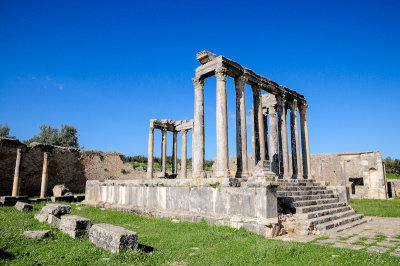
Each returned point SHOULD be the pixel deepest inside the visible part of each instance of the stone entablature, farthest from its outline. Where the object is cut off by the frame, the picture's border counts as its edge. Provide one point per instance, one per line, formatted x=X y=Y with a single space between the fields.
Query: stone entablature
x=166 y=125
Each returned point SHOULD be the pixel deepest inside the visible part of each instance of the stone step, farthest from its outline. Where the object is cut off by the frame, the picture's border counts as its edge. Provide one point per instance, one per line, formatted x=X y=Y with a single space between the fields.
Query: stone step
x=302 y=193
x=348 y=225
x=304 y=203
x=320 y=213
x=320 y=207
x=311 y=197
x=328 y=218
x=300 y=188
x=301 y=184
x=339 y=222
x=296 y=180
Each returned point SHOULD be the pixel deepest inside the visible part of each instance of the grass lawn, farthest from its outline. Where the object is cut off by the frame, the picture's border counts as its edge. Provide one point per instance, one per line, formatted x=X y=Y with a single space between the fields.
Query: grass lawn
x=391 y=176
x=376 y=207
x=192 y=243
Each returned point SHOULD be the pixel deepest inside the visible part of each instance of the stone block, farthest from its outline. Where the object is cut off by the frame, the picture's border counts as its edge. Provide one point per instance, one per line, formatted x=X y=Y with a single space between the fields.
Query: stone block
x=11 y=201
x=41 y=217
x=75 y=226
x=69 y=198
x=56 y=209
x=79 y=198
x=37 y=234
x=53 y=220
x=113 y=238
x=23 y=206
x=60 y=190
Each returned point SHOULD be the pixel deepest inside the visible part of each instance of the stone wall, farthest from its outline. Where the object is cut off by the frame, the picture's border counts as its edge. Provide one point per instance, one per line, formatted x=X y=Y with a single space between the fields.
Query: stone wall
x=69 y=166
x=364 y=172
x=212 y=199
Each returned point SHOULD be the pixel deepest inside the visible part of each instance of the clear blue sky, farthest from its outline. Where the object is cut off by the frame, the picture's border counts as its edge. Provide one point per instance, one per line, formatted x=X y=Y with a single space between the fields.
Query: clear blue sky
x=108 y=67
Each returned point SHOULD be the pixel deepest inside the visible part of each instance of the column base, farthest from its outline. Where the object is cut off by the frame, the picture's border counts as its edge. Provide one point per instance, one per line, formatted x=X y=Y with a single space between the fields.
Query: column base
x=242 y=174
x=263 y=169
x=222 y=173
x=201 y=174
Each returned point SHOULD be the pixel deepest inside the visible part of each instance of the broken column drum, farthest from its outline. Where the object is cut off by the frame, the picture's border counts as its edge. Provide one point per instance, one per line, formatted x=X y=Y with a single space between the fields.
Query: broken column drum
x=270 y=145
x=16 y=184
x=43 y=188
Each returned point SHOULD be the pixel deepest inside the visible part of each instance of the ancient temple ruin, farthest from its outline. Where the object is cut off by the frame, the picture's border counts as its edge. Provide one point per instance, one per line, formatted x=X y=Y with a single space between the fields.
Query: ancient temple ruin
x=269 y=155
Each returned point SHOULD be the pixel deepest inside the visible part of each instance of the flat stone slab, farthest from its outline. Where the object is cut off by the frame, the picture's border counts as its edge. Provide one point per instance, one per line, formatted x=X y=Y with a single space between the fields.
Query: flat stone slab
x=23 y=206
x=41 y=217
x=377 y=249
x=113 y=238
x=63 y=198
x=79 y=198
x=53 y=220
x=11 y=201
x=56 y=209
x=395 y=253
x=37 y=234
x=75 y=226
x=388 y=244
x=349 y=246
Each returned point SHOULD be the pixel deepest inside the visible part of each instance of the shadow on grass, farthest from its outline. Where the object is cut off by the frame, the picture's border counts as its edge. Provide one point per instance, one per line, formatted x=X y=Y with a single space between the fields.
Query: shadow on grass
x=4 y=255
x=146 y=249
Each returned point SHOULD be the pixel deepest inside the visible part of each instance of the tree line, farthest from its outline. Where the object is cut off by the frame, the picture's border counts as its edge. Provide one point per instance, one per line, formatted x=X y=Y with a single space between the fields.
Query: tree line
x=66 y=136
x=157 y=160
x=392 y=166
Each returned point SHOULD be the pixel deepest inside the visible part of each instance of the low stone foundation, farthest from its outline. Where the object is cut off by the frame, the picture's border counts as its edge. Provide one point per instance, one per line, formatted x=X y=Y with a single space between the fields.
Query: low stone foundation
x=216 y=200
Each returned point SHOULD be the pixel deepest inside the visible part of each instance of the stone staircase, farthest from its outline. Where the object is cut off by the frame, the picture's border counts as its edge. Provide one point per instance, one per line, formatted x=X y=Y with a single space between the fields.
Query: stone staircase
x=315 y=208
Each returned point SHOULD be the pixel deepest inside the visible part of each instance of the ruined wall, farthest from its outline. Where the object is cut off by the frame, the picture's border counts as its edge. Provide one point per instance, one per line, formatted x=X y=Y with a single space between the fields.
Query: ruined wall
x=363 y=171
x=68 y=166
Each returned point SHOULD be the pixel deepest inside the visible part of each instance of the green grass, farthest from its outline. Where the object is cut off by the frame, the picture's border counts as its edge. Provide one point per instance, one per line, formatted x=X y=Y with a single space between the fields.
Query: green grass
x=192 y=243
x=376 y=207
x=391 y=176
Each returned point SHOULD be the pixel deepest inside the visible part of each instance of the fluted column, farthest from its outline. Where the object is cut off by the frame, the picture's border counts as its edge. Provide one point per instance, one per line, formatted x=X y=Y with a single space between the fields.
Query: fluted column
x=164 y=153
x=184 y=154
x=43 y=187
x=265 y=124
x=283 y=138
x=241 y=128
x=150 y=154
x=174 y=152
x=198 y=150
x=253 y=139
x=256 y=125
x=222 y=169
x=305 y=144
x=294 y=136
x=273 y=140
x=15 y=190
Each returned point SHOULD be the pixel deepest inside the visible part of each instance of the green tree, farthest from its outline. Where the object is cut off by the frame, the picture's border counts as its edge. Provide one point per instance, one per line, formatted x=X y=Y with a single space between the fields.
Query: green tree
x=4 y=130
x=66 y=137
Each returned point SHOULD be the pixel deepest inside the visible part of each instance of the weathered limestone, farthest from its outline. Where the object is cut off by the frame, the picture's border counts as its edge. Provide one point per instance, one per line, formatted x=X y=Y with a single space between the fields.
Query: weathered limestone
x=43 y=188
x=198 y=142
x=52 y=213
x=75 y=226
x=260 y=122
x=113 y=238
x=150 y=153
x=175 y=153
x=241 y=128
x=39 y=234
x=283 y=138
x=294 y=134
x=23 y=206
x=305 y=143
x=274 y=157
x=15 y=190
x=256 y=130
x=222 y=169
x=164 y=153
x=184 y=155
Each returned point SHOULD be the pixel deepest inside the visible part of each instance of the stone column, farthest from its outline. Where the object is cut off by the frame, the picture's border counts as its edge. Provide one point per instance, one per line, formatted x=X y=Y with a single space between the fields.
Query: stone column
x=265 y=120
x=43 y=188
x=150 y=154
x=305 y=144
x=273 y=140
x=222 y=169
x=198 y=151
x=241 y=128
x=184 y=154
x=253 y=139
x=256 y=126
x=283 y=138
x=294 y=136
x=260 y=117
x=175 y=152
x=15 y=190
x=164 y=153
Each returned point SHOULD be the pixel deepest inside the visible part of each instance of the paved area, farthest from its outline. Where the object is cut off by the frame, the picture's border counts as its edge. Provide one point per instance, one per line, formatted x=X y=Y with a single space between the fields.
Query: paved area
x=380 y=234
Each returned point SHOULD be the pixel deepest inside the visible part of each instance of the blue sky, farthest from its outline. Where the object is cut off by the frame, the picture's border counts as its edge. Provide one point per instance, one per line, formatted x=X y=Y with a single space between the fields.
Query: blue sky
x=107 y=67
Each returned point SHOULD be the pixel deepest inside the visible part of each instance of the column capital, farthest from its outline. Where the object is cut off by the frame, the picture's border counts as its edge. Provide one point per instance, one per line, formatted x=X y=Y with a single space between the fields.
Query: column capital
x=281 y=100
x=220 y=73
x=293 y=105
x=198 y=83
x=303 y=107
x=271 y=110
x=241 y=81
